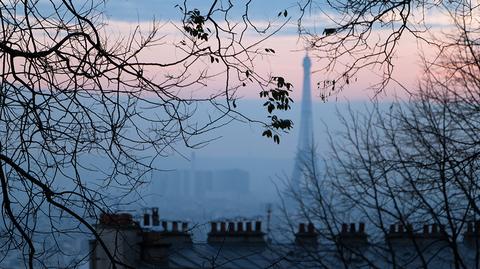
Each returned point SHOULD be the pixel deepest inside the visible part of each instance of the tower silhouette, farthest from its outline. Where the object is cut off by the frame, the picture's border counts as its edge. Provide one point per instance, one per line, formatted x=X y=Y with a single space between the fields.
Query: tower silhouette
x=304 y=157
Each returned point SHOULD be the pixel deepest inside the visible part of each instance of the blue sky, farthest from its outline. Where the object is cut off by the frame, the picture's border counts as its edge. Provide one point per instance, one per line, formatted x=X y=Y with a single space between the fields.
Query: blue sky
x=134 y=10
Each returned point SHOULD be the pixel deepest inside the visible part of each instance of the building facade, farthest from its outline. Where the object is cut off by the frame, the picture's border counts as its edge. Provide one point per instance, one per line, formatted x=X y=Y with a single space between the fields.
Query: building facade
x=242 y=244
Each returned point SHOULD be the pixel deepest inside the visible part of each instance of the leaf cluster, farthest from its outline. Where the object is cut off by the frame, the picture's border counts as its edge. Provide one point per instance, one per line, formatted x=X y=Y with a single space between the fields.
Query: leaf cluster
x=194 y=25
x=284 y=13
x=278 y=98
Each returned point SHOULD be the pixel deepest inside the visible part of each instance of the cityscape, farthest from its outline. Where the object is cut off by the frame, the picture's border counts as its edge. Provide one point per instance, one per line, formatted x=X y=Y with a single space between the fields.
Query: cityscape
x=239 y=134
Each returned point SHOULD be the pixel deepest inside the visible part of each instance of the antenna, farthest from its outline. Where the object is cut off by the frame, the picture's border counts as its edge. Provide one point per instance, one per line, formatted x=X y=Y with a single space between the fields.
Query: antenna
x=269 y=217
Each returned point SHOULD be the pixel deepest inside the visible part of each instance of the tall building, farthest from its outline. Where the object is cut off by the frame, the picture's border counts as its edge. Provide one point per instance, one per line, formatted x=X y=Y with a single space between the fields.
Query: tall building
x=305 y=149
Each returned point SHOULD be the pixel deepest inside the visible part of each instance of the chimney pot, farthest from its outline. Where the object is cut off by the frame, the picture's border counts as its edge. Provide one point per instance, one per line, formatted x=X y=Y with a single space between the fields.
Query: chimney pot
x=301 y=228
x=155 y=217
x=249 y=227
x=258 y=226
x=469 y=227
x=146 y=219
x=311 y=228
x=223 y=227
x=425 y=229
x=213 y=227
x=184 y=227
x=174 y=226
x=352 y=227
x=239 y=226
x=344 y=228
x=231 y=227
x=361 y=227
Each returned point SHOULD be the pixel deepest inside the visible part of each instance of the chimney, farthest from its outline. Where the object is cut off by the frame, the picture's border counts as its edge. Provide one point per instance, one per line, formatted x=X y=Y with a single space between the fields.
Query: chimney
x=231 y=227
x=352 y=227
x=301 y=228
x=158 y=245
x=400 y=236
x=146 y=219
x=353 y=237
x=471 y=237
x=240 y=227
x=426 y=229
x=361 y=228
x=469 y=227
x=166 y=236
x=258 y=226
x=235 y=234
x=126 y=247
x=213 y=227
x=442 y=229
x=306 y=238
x=437 y=235
x=155 y=217
x=427 y=237
x=249 y=227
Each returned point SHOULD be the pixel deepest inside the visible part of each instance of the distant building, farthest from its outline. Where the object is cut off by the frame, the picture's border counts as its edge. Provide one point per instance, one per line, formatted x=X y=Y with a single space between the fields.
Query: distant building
x=203 y=194
x=229 y=245
x=201 y=183
x=240 y=245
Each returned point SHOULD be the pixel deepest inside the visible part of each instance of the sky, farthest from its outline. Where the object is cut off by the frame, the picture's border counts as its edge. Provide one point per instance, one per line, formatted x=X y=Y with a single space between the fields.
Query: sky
x=240 y=145
x=123 y=16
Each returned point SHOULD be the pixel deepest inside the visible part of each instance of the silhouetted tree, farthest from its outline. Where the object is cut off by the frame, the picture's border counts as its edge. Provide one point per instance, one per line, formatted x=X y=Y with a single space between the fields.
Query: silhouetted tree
x=76 y=101
x=410 y=163
x=366 y=34
x=413 y=164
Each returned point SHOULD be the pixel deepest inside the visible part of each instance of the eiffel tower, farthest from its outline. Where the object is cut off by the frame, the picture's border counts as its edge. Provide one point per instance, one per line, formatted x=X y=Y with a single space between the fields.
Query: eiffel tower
x=304 y=157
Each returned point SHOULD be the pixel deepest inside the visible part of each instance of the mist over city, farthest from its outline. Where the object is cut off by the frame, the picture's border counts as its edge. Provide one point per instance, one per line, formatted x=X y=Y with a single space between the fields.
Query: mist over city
x=239 y=134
